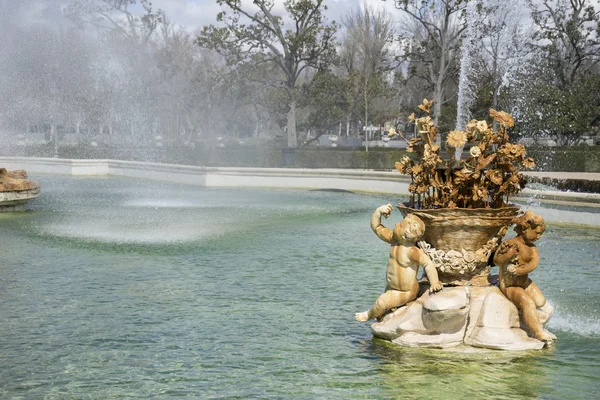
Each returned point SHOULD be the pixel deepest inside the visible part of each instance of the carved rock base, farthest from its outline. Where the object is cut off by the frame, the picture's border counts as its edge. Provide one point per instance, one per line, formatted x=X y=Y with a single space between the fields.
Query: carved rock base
x=474 y=316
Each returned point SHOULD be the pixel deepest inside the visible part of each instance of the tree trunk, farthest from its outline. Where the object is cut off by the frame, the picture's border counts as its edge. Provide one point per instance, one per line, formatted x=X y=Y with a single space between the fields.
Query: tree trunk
x=348 y=125
x=54 y=135
x=438 y=91
x=292 y=139
x=366 y=116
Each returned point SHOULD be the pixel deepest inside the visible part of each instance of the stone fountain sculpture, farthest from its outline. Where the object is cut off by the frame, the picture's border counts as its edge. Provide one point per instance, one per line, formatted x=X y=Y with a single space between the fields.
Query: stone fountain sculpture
x=454 y=224
x=16 y=190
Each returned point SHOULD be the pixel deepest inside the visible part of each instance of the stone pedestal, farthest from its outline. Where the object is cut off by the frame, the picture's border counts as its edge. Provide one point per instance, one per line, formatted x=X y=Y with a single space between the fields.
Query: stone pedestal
x=474 y=316
x=16 y=190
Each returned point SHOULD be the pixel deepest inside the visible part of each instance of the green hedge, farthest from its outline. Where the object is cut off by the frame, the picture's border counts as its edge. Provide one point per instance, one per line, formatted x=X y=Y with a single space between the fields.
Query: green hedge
x=568 y=159
x=378 y=159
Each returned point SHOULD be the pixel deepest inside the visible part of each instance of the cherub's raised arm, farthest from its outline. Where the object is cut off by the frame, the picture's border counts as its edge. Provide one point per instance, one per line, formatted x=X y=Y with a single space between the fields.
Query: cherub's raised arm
x=505 y=253
x=381 y=231
x=527 y=267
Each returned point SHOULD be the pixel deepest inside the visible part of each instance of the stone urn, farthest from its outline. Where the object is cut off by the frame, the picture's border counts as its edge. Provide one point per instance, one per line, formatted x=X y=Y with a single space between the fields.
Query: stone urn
x=460 y=241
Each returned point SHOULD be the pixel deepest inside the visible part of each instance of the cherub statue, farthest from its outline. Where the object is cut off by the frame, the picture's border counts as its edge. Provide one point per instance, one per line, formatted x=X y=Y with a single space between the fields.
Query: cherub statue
x=516 y=258
x=403 y=265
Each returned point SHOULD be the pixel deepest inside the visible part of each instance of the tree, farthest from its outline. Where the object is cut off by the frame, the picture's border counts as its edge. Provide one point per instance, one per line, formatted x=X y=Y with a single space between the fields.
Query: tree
x=569 y=36
x=503 y=52
x=563 y=115
x=431 y=39
x=366 y=54
x=255 y=34
x=116 y=16
x=46 y=73
x=128 y=70
x=324 y=99
x=559 y=97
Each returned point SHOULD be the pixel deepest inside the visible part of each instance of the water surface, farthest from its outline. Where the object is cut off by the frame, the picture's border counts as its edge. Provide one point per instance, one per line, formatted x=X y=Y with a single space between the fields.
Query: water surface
x=125 y=288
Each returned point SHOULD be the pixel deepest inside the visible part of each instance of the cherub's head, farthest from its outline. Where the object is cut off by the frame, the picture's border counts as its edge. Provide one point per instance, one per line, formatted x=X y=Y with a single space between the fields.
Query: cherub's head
x=410 y=229
x=530 y=226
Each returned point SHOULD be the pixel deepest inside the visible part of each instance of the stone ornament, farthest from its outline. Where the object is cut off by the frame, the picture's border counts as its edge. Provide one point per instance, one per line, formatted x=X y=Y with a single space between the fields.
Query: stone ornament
x=463 y=208
x=498 y=315
x=463 y=262
x=516 y=258
x=403 y=264
x=16 y=189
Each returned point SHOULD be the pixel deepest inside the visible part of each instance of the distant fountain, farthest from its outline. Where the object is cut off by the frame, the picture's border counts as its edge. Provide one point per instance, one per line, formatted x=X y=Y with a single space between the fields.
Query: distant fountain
x=465 y=91
x=16 y=190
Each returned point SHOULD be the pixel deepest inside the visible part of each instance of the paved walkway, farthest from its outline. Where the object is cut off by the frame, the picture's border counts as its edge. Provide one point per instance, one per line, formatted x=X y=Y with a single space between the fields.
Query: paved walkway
x=588 y=176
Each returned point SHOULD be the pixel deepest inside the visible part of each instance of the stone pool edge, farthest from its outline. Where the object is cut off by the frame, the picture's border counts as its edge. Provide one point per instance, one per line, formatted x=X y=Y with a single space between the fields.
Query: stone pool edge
x=339 y=179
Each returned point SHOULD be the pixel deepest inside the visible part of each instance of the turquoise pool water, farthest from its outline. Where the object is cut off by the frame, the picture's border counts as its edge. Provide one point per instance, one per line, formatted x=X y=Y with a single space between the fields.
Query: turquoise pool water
x=123 y=288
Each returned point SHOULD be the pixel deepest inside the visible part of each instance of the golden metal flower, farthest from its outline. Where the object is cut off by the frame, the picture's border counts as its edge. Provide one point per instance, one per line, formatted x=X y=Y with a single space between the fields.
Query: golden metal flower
x=424 y=124
x=403 y=166
x=475 y=151
x=456 y=138
x=517 y=150
x=495 y=176
x=502 y=117
x=481 y=126
x=472 y=124
x=529 y=162
x=494 y=166
x=426 y=105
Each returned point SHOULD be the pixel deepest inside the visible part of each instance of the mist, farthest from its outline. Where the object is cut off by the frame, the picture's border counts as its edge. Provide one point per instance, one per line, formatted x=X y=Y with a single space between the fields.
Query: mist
x=76 y=84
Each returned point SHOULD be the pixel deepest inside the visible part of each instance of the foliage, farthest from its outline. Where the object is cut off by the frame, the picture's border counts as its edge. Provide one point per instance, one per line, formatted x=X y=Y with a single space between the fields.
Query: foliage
x=257 y=35
x=367 y=60
x=569 y=35
x=431 y=41
x=116 y=16
x=562 y=115
x=324 y=99
x=487 y=178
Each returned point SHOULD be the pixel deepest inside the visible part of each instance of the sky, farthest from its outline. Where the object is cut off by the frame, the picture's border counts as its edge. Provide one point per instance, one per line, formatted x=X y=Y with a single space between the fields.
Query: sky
x=193 y=14
x=190 y=14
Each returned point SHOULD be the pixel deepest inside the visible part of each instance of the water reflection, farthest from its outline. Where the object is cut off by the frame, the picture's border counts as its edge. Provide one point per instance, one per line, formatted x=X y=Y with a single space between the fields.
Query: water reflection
x=460 y=373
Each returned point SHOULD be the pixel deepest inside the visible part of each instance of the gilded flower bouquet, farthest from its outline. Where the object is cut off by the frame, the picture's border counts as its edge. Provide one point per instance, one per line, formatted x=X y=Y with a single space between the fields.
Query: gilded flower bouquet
x=486 y=178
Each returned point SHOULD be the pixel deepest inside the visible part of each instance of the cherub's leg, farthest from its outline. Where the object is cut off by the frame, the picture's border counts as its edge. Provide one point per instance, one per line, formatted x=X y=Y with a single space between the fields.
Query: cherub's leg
x=525 y=303
x=538 y=298
x=388 y=300
x=536 y=294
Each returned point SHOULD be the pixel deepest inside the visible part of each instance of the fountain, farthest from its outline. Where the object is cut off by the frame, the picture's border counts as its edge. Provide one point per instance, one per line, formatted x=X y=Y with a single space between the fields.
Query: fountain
x=121 y=286
x=453 y=227
x=16 y=190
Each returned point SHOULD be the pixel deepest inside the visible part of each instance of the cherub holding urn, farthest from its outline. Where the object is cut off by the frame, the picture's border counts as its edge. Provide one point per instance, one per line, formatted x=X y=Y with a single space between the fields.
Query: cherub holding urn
x=517 y=257
x=403 y=265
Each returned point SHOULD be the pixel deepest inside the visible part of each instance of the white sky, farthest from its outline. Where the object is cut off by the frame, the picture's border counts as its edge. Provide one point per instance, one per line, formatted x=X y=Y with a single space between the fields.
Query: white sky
x=193 y=14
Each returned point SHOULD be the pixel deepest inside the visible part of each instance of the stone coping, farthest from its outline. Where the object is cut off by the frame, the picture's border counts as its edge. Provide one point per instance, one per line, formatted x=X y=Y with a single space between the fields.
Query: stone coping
x=299 y=178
